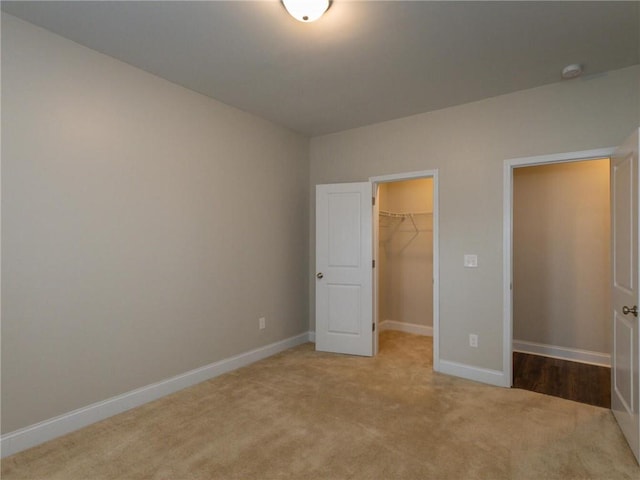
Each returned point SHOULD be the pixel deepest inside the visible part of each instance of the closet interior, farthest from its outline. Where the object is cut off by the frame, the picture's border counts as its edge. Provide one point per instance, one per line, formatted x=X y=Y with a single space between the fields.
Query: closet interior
x=405 y=256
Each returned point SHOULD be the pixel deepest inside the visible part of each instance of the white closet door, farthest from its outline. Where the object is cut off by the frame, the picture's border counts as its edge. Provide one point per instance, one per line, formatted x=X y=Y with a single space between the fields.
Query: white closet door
x=344 y=271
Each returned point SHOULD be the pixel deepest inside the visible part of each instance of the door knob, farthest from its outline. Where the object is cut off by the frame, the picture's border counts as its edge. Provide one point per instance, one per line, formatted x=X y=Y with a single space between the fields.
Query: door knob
x=626 y=310
x=319 y=275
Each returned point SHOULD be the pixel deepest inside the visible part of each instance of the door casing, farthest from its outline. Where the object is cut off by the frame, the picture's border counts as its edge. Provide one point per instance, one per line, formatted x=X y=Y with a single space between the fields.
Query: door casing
x=398 y=177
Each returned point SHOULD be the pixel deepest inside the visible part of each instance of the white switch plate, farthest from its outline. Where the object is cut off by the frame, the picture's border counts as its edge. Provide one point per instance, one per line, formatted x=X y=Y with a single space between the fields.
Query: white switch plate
x=262 y=323
x=470 y=261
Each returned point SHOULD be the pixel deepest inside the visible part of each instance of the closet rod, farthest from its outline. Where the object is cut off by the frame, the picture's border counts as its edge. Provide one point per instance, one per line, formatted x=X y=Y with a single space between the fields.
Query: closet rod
x=402 y=214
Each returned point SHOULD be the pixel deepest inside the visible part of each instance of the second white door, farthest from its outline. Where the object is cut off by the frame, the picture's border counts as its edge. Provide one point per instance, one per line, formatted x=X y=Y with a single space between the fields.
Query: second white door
x=344 y=270
x=625 y=368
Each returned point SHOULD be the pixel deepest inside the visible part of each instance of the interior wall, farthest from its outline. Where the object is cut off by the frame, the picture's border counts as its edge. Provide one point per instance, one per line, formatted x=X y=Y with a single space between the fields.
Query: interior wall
x=145 y=228
x=468 y=145
x=561 y=255
x=406 y=253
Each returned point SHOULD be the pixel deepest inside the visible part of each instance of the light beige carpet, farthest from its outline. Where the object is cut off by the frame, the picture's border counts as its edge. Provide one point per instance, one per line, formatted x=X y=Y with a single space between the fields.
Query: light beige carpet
x=309 y=415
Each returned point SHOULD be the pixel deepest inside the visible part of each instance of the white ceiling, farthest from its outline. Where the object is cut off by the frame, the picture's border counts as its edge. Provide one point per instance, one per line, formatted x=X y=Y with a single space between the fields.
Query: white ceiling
x=362 y=63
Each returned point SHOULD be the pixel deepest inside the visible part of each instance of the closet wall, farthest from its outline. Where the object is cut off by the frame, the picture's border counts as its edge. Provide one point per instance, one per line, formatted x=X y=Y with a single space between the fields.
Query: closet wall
x=406 y=253
x=561 y=256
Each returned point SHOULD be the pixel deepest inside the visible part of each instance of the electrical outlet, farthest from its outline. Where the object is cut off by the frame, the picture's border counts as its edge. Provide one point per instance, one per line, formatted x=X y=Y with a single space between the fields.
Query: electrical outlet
x=473 y=340
x=262 y=323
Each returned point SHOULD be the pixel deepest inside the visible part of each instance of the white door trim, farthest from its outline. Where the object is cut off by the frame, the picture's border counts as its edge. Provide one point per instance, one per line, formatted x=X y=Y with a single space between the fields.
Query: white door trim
x=375 y=181
x=507 y=237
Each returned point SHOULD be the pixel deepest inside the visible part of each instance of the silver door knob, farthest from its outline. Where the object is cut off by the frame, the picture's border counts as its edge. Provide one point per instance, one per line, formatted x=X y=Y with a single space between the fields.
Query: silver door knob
x=319 y=275
x=626 y=310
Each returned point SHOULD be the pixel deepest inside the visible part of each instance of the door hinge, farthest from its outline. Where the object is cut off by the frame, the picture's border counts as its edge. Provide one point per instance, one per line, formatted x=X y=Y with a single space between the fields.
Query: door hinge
x=374 y=327
x=373 y=201
x=373 y=264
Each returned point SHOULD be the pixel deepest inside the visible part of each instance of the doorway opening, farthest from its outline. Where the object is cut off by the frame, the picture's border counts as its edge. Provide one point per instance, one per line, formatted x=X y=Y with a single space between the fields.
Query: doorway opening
x=561 y=275
x=405 y=252
x=559 y=297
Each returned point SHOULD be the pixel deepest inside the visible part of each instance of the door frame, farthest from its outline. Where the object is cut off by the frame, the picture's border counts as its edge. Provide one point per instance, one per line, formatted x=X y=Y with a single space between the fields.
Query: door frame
x=399 y=177
x=507 y=273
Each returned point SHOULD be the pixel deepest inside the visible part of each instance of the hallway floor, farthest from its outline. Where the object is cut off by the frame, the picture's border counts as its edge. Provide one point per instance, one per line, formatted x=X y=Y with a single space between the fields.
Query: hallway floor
x=576 y=381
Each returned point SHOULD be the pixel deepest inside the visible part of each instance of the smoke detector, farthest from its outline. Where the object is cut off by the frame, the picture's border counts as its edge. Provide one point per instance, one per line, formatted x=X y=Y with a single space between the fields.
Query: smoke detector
x=572 y=71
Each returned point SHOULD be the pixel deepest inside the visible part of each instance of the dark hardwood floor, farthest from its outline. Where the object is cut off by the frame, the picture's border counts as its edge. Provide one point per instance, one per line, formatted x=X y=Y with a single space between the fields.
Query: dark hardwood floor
x=571 y=380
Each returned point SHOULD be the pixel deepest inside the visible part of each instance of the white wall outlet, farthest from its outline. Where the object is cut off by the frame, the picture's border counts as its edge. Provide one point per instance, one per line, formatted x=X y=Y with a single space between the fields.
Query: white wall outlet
x=262 y=323
x=473 y=340
x=470 y=261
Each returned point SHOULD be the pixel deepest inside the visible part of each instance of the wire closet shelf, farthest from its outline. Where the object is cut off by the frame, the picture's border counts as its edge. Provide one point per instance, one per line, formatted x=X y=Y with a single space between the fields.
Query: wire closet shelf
x=403 y=215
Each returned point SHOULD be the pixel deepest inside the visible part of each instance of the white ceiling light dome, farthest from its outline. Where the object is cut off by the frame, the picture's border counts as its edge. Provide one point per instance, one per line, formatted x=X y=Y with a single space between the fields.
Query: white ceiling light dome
x=306 y=10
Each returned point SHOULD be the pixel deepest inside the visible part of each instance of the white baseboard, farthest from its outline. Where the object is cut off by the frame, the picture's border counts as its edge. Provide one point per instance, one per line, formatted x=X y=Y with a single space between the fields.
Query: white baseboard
x=483 y=375
x=312 y=337
x=406 y=327
x=563 y=353
x=41 y=432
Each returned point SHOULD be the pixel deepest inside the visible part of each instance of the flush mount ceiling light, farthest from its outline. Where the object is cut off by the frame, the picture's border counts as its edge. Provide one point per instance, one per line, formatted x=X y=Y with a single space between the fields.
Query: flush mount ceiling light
x=571 y=71
x=306 y=10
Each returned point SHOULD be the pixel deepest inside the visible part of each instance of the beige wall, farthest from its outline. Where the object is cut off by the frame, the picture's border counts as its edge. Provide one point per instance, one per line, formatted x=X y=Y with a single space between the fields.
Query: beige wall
x=561 y=249
x=406 y=255
x=468 y=145
x=145 y=228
